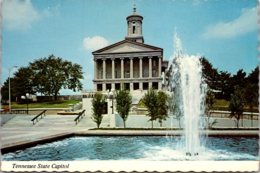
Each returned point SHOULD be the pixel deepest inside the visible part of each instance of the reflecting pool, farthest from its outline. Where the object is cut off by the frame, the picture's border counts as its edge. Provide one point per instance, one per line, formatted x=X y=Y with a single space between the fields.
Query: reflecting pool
x=138 y=148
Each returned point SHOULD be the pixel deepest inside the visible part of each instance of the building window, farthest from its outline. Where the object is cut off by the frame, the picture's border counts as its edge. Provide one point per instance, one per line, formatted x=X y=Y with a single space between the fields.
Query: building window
x=133 y=29
x=145 y=86
x=136 y=86
x=99 y=87
x=126 y=86
x=117 y=86
x=155 y=85
x=108 y=87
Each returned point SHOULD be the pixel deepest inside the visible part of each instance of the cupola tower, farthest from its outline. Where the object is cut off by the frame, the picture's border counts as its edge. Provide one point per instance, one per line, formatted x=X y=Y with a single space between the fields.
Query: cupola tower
x=134 y=27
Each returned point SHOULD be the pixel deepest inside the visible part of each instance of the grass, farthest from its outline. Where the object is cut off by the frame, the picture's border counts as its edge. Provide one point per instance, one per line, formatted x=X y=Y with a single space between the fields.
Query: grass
x=222 y=105
x=49 y=104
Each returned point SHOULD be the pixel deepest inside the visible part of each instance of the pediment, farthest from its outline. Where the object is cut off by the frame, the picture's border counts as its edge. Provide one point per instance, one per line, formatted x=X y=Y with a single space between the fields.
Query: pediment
x=127 y=46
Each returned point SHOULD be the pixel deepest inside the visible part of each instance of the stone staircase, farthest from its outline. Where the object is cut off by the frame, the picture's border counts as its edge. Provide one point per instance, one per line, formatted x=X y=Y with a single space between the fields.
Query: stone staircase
x=56 y=121
x=137 y=96
x=89 y=123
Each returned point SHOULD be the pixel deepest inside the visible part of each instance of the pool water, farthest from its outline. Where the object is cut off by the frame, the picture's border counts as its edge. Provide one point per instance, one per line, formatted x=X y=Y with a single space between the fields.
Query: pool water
x=138 y=148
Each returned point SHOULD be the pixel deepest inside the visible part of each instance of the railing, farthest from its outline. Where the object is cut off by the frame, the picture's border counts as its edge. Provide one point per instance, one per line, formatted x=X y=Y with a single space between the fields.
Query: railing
x=37 y=116
x=80 y=116
x=226 y=114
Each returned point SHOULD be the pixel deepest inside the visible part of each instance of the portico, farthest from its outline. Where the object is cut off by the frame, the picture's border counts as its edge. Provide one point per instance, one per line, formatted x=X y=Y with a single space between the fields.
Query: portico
x=129 y=64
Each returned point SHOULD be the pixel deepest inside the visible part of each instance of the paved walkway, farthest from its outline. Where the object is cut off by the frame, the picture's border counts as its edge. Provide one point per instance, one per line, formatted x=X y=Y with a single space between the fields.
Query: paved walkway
x=20 y=131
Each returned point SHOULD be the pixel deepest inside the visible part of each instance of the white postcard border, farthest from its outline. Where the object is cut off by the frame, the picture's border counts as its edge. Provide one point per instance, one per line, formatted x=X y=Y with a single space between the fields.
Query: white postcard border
x=129 y=166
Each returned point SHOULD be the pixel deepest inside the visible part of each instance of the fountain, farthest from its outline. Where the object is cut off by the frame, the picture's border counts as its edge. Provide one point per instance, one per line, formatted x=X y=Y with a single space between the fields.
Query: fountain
x=189 y=91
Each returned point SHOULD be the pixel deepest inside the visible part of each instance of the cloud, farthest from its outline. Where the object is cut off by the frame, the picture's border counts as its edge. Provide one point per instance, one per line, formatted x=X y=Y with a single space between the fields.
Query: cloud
x=18 y=14
x=94 y=43
x=21 y=14
x=245 y=23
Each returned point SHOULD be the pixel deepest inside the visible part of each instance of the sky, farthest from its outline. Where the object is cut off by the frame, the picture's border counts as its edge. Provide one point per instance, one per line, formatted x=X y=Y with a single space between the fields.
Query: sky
x=224 y=31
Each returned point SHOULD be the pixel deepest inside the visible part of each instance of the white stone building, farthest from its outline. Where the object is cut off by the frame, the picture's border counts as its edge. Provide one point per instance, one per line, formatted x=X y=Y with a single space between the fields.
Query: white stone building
x=129 y=64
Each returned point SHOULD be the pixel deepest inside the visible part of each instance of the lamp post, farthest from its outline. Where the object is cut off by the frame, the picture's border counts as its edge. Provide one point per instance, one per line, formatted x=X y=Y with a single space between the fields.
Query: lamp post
x=111 y=97
x=26 y=98
x=27 y=102
x=9 y=80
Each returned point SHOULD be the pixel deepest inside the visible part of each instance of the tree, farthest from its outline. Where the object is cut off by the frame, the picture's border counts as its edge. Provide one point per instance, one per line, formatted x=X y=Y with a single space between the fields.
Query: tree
x=5 y=91
x=251 y=91
x=53 y=73
x=253 y=76
x=123 y=104
x=224 y=85
x=236 y=105
x=239 y=78
x=162 y=99
x=251 y=98
x=21 y=83
x=210 y=73
x=150 y=101
x=209 y=102
x=46 y=76
x=98 y=106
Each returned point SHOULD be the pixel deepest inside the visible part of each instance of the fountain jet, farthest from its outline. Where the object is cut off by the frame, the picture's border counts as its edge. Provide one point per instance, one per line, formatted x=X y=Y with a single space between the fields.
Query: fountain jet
x=189 y=90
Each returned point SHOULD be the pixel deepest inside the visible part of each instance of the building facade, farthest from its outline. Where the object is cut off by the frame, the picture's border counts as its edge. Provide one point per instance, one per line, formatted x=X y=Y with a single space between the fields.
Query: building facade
x=129 y=64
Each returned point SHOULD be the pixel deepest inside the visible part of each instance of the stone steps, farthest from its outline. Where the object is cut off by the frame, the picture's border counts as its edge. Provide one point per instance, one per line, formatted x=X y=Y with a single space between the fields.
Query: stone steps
x=89 y=123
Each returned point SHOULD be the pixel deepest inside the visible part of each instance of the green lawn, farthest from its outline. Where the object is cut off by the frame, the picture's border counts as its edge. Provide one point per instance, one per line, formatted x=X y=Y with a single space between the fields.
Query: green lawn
x=221 y=104
x=50 y=104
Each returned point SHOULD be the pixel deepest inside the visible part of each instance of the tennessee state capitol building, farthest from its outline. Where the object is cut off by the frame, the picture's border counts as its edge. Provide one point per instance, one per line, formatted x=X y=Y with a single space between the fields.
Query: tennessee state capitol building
x=129 y=64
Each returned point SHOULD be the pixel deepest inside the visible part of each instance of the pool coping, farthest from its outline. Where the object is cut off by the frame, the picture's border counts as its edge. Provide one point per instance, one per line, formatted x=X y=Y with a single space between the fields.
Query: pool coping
x=50 y=138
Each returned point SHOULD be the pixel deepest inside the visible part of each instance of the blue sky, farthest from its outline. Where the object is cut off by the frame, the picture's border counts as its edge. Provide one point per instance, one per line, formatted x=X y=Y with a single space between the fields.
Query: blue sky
x=224 y=31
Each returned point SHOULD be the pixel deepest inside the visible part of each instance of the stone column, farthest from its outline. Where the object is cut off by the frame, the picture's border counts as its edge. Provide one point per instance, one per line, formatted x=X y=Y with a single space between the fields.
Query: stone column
x=103 y=87
x=140 y=67
x=160 y=66
x=150 y=66
x=104 y=68
x=95 y=69
x=113 y=86
x=131 y=86
x=160 y=85
x=131 y=67
x=141 y=86
x=150 y=85
x=122 y=68
x=121 y=85
x=113 y=68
